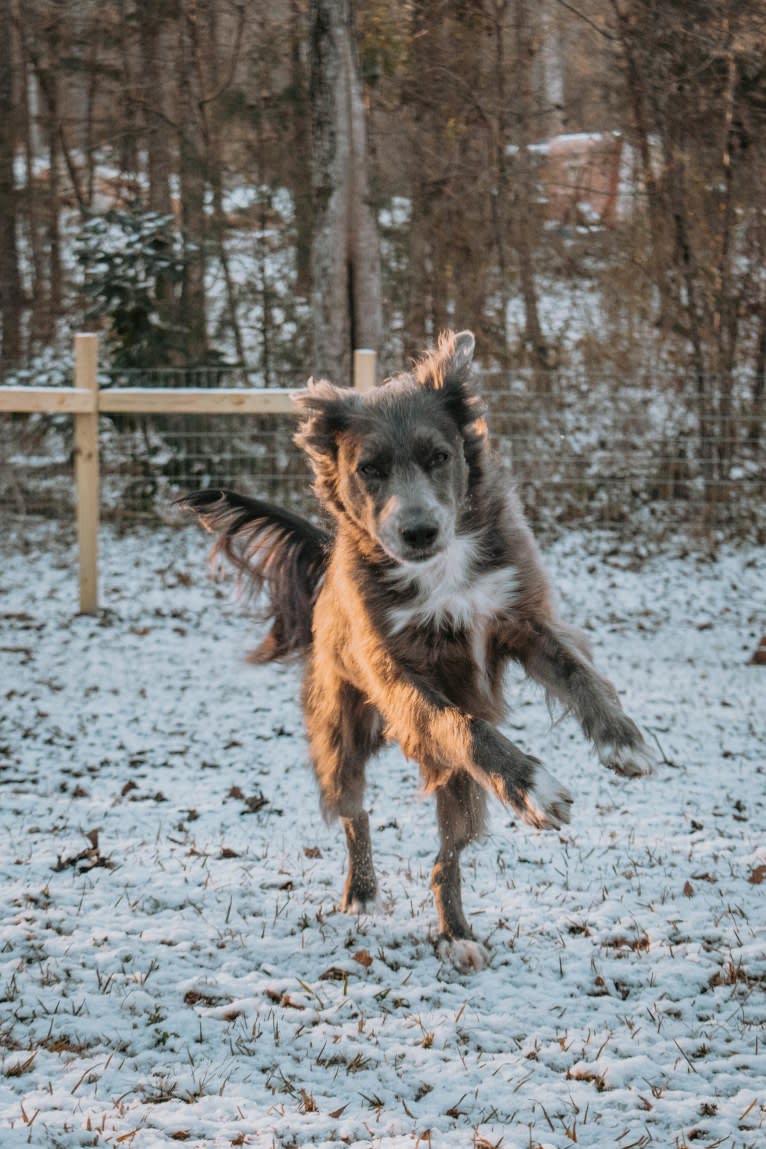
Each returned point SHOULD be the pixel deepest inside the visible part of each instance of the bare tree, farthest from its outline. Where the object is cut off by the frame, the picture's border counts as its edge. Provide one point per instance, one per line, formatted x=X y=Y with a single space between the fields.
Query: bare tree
x=10 y=280
x=695 y=87
x=523 y=229
x=213 y=81
x=346 y=294
x=192 y=179
x=154 y=18
x=41 y=319
x=302 y=147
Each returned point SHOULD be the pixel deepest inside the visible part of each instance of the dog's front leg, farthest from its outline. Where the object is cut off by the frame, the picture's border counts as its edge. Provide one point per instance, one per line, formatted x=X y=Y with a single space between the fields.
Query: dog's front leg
x=557 y=656
x=442 y=739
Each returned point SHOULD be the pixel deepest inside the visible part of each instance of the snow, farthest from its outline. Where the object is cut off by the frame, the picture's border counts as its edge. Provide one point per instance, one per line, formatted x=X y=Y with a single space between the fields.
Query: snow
x=173 y=965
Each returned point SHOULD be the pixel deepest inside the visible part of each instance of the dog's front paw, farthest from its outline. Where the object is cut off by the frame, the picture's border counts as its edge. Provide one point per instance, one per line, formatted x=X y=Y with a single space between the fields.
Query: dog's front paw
x=629 y=761
x=546 y=804
x=361 y=901
x=360 y=891
x=465 y=954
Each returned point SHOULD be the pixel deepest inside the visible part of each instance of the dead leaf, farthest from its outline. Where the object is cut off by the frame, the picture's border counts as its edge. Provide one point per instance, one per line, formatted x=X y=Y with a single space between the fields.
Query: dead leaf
x=364 y=958
x=194 y=997
x=688 y=890
x=87 y=859
x=334 y=973
x=640 y=942
x=757 y=876
x=759 y=656
x=283 y=999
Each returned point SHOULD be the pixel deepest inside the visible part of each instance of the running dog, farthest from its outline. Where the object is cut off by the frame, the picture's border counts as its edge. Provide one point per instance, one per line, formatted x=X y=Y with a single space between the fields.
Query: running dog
x=408 y=611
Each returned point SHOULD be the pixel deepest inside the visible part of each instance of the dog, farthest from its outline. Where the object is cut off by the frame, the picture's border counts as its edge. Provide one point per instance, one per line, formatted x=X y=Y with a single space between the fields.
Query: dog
x=407 y=612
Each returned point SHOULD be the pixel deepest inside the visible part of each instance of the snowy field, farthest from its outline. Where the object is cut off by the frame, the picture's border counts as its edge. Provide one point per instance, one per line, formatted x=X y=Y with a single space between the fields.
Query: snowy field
x=173 y=965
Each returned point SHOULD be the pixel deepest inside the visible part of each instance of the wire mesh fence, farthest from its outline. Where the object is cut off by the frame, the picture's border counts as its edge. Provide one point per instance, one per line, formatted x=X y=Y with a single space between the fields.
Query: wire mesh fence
x=595 y=451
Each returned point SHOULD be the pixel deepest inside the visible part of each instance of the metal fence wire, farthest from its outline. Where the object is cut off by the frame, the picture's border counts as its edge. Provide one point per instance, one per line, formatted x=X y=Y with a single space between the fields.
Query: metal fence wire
x=580 y=450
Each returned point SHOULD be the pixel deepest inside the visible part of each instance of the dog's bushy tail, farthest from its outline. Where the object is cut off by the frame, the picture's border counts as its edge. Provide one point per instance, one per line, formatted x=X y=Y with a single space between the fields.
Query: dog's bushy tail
x=274 y=551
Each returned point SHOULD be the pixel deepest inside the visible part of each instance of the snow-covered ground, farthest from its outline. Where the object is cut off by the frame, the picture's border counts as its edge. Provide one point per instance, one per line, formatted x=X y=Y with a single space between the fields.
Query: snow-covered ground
x=173 y=965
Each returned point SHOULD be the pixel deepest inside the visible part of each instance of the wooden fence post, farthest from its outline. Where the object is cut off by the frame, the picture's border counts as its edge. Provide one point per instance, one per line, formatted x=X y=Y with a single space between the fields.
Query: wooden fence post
x=364 y=369
x=86 y=469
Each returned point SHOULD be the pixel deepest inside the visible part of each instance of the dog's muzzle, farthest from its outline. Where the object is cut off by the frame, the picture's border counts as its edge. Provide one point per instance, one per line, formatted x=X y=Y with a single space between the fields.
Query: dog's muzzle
x=419 y=539
x=413 y=539
x=413 y=530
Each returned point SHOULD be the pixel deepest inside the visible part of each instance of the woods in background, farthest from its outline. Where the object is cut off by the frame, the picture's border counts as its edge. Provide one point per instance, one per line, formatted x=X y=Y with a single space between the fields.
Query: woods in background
x=324 y=173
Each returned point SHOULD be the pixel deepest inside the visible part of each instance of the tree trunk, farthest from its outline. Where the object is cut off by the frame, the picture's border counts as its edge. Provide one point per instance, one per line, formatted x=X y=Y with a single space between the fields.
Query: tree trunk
x=10 y=280
x=635 y=81
x=346 y=296
x=676 y=168
x=40 y=56
x=41 y=319
x=501 y=191
x=298 y=166
x=152 y=24
x=191 y=172
x=54 y=198
x=553 y=65
x=91 y=92
x=418 y=312
x=128 y=133
x=726 y=311
x=524 y=237
x=416 y=309
x=209 y=71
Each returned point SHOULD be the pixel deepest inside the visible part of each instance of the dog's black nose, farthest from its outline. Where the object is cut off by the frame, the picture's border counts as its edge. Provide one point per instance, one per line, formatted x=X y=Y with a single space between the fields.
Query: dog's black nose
x=419 y=536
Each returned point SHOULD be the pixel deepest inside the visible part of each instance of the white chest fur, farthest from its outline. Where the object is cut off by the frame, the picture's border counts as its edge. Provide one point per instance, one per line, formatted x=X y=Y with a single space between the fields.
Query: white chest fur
x=449 y=592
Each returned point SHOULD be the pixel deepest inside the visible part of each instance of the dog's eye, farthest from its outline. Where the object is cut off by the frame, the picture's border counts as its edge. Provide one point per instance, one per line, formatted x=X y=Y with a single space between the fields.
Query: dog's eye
x=371 y=470
x=438 y=459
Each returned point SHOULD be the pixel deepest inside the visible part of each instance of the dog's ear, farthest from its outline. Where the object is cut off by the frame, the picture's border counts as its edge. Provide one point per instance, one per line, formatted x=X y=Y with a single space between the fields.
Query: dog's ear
x=462 y=356
x=327 y=412
x=447 y=370
x=449 y=363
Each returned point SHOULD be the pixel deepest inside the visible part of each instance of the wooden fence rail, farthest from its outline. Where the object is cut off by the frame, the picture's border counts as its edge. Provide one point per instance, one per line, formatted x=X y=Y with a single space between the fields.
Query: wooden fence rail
x=86 y=400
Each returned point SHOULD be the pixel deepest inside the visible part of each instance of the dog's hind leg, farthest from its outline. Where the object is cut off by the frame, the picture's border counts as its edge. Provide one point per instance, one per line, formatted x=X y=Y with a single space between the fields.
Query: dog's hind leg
x=344 y=731
x=460 y=808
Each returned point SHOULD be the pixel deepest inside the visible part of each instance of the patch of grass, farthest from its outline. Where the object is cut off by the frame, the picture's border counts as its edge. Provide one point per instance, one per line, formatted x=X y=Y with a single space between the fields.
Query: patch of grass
x=19 y=1068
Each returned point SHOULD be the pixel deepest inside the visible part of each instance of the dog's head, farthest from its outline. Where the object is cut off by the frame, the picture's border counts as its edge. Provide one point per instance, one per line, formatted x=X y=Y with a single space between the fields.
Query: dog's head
x=399 y=462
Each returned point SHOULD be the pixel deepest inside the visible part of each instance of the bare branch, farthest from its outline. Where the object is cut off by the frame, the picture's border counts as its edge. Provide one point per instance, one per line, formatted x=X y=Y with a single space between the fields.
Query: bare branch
x=587 y=20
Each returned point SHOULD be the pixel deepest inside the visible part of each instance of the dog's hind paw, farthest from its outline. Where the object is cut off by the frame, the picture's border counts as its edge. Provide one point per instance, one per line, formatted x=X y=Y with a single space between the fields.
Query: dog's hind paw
x=628 y=761
x=546 y=804
x=464 y=953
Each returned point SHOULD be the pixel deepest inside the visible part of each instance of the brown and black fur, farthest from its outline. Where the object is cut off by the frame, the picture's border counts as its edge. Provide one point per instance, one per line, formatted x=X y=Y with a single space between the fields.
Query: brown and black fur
x=408 y=612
